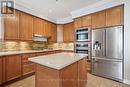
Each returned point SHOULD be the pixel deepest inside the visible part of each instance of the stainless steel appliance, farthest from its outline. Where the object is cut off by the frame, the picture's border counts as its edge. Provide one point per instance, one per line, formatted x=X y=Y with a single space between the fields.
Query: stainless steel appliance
x=83 y=34
x=83 y=47
x=107 y=52
x=40 y=38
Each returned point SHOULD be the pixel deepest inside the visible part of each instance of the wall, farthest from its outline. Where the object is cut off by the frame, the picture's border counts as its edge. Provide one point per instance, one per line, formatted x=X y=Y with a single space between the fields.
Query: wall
x=127 y=41
x=59 y=33
x=0 y=29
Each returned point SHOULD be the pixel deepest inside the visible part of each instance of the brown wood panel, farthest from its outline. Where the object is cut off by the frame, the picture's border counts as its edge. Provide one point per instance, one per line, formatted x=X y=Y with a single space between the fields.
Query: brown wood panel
x=99 y=19
x=13 y=67
x=11 y=27
x=69 y=76
x=82 y=73
x=38 y=26
x=53 y=37
x=78 y=22
x=86 y=21
x=47 y=77
x=68 y=32
x=27 y=66
x=26 y=26
x=114 y=16
x=1 y=73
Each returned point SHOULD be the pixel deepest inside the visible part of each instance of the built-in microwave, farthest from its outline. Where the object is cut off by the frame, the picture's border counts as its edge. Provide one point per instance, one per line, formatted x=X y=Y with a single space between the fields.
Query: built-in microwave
x=83 y=34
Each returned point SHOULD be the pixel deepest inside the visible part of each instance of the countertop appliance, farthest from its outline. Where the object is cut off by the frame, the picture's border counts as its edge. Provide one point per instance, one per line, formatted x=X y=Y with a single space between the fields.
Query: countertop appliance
x=83 y=47
x=40 y=38
x=107 y=52
x=83 y=34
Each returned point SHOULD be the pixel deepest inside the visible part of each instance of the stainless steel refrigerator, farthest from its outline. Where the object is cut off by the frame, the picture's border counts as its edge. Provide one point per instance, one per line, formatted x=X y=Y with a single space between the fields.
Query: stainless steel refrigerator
x=107 y=52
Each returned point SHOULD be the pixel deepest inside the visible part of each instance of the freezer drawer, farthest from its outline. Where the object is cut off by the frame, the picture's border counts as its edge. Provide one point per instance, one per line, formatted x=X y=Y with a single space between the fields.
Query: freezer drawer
x=108 y=68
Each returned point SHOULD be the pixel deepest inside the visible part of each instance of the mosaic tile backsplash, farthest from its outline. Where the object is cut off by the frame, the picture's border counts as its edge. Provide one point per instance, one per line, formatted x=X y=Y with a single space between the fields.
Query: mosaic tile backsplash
x=16 y=46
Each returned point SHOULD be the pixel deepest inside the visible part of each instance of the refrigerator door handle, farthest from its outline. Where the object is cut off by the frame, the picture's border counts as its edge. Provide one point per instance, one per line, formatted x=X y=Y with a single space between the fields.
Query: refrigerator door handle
x=114 y=60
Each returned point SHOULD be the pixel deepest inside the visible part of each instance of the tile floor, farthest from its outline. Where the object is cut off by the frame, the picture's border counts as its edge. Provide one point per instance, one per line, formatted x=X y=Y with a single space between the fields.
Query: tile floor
x=93 y=81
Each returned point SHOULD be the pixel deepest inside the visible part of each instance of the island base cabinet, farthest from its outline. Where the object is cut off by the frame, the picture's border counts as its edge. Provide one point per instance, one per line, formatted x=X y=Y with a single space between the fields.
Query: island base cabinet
x=0 y=71
x=70 y=76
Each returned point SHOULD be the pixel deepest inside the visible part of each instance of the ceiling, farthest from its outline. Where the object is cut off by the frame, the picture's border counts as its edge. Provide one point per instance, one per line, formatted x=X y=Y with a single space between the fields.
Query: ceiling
x=56 y=10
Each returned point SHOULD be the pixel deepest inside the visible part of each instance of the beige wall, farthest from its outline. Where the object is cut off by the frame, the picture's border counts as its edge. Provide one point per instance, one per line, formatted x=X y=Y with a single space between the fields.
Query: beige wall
x=60 y=33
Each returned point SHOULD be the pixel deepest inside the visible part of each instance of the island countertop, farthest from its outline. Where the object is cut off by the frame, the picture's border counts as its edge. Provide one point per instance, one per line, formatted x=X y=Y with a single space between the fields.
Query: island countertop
x=58 y=61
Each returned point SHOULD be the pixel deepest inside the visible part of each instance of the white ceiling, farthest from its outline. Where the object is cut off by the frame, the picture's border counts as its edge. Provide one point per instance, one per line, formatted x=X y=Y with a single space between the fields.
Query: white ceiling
x=60 y=10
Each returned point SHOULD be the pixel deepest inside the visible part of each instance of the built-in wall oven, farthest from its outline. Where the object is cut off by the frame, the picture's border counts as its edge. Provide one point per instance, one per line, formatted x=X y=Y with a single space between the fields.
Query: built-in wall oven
x=83 y=47
x=83 y=34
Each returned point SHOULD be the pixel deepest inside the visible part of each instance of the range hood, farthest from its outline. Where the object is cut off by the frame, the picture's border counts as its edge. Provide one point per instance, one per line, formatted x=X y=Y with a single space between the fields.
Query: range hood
x=40 y=38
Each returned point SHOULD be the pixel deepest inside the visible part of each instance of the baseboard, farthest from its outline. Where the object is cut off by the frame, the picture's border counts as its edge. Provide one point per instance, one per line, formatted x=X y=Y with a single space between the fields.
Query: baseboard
x=127 y=81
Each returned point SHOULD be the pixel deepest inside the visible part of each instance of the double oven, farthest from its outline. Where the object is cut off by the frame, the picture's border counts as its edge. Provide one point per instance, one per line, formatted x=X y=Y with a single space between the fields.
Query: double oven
x=83 y=38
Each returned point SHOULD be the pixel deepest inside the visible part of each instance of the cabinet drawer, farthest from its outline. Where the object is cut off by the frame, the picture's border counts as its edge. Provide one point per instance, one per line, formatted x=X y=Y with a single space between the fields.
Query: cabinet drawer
x=26 y=62
x=27 y=69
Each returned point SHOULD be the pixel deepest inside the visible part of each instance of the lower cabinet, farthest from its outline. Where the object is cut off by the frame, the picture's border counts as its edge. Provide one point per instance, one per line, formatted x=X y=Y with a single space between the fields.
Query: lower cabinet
x=27 y=66
x=13 y=67
x=0 y=70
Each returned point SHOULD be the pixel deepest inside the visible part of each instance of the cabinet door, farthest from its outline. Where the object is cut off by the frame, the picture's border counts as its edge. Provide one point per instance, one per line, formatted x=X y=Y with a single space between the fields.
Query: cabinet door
x=13 y=67
x=53 y=37
x=99 y=19
x=11 y=27
x=38 y=26
x=68 y=32
x=27 y=66
x=82 y=73
x=26 y=26
x=1 y=71
x=114 y=16
x=86 y=21
x=78 y=22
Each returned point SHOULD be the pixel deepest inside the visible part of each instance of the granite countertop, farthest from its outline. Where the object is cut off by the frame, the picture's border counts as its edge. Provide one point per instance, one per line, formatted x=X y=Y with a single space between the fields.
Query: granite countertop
x=27 y=51
x=22 y=52
x=58 y=61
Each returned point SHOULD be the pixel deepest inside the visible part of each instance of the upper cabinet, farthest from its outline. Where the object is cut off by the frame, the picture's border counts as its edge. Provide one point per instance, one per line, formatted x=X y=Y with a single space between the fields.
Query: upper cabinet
x=99 y=19
x=11 y=27
x=78 y=22
x=26 y=26
x=82 y=21
x=114 y=16
x=68 y=32
x=53 y=37
x=86 y=21
x=38 y=26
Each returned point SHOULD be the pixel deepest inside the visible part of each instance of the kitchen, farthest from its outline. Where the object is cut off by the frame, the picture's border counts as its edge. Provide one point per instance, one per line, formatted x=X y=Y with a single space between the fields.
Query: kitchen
x=91 y=37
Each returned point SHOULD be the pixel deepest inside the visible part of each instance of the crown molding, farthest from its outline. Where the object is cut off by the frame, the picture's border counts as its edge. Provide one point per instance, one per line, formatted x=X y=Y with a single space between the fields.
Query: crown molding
x=29 y=9
x=101 y=5
x=64 y=20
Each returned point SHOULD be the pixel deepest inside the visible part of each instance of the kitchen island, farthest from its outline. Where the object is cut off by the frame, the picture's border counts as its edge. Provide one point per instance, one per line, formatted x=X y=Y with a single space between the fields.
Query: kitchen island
x=61 y=70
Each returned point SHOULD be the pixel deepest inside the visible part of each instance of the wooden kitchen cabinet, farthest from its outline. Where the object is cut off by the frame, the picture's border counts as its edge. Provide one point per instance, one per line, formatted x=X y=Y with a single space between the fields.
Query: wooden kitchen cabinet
x=26 y=26
x=13 y=67
x=114 y=16
x=68 y=32
x=38 y=26
x=78 y=22
x=86 y=21
x=99 y=19
x=11 y=27
x=1 y=73
x=27 y=66
x=53 y=37
x=82 y=70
